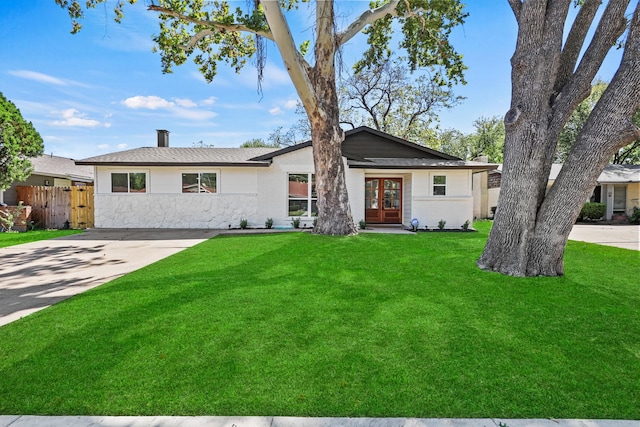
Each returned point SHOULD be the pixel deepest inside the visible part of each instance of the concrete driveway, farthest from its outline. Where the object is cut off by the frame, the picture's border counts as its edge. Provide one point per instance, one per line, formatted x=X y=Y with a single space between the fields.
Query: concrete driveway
x=36 y=275
x=619 y=235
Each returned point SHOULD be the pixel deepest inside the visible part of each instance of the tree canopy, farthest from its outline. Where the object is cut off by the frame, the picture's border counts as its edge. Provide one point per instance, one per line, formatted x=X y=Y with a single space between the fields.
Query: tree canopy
x=18 y=142
x=389 y=98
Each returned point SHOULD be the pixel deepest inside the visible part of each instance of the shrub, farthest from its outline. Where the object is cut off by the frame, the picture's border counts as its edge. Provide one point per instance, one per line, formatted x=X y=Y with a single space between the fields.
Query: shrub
x=315 y=221
x=363 y=224
x=296 y=222
x=592 y=211
x=244 y=223
x=269 y=223
x=9 y=216
x=635 y=216
x=441 y=224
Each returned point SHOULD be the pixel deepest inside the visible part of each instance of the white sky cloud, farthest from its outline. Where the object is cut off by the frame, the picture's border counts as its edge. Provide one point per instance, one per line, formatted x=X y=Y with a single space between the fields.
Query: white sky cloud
x=275 y=111
x=73 y=118
x=148 y=102
x=291 y=104
x=122 y=146
x=187 y=103
x=103 y=146
x=181 y=108
x=38 y=77
x=209 y=101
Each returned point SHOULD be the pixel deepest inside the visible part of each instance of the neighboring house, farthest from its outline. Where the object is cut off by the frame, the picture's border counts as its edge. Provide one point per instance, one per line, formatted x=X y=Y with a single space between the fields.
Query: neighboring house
x=389 y=180
x=50 y=170
x=618 y=187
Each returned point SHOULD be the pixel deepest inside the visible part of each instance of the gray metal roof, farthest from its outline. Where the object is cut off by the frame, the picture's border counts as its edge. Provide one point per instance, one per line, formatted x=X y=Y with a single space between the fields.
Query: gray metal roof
x=177 y=156
x=400 y=163
x=61 y=167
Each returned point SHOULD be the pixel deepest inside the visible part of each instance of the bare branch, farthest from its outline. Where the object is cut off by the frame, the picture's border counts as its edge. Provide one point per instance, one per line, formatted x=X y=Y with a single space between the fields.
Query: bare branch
x=367 y=17
x=211 y=24
x=575 y=41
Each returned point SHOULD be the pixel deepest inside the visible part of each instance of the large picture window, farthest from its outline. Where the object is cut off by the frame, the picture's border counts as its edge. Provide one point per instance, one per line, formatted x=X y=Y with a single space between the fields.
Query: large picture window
x=303 y=198
x=439 y=185
x=199 y=182
x=129 y=182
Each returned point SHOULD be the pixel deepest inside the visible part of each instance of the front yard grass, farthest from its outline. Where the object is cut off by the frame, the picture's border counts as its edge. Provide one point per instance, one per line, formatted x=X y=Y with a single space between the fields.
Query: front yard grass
x=303 y=325
x=11 y=239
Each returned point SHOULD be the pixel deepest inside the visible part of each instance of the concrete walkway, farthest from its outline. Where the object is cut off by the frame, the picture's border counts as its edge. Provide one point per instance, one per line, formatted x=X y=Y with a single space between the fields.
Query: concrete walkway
x=34 y=421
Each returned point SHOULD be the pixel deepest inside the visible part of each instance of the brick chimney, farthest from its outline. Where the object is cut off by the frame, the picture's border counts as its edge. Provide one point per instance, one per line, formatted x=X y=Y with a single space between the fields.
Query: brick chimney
x=163 y=138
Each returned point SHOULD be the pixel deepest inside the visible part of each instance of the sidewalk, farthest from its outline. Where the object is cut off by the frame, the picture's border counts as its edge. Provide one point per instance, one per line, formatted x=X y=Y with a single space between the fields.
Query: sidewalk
x=86 y=421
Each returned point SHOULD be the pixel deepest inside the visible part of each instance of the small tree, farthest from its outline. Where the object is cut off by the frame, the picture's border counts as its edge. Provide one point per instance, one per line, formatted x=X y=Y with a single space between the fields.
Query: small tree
x=18 y=141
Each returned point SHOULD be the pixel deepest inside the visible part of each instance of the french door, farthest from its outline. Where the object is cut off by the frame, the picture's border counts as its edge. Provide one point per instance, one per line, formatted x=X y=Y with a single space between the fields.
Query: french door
x=383 y=200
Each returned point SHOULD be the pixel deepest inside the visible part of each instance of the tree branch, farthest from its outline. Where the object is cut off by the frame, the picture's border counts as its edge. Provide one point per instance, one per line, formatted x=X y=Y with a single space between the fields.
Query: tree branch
x=295 y=64
x=611 y=26
x=575 y=41
x=367 y=17
x=211 y=24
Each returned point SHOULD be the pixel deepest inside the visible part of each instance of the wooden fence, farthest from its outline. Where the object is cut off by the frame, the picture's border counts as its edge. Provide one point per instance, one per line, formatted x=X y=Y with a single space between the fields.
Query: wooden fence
x=59 y=207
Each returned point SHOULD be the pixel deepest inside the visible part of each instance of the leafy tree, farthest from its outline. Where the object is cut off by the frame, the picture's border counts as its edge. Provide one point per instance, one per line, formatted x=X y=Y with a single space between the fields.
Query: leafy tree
x=18 y=142
x=629 y=154
x=551 y=75
x=211 y=32
x=259 y=142
x=388 y=98
x=486 y=140
x=453 y=142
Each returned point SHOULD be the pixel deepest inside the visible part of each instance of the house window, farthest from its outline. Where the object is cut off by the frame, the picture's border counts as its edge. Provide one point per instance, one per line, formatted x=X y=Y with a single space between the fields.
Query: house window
x=200 y=182
x=129 y=182
x=439 y=185
x=303 y=198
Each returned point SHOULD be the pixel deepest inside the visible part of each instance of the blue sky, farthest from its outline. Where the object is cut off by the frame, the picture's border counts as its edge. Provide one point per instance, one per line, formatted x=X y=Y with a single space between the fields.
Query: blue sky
x=102 y=90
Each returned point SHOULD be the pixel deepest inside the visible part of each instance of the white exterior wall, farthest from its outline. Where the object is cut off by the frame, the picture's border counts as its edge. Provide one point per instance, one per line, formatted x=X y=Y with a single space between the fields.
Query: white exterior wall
x=262 y=192
x=165 y=206
x=455 y=207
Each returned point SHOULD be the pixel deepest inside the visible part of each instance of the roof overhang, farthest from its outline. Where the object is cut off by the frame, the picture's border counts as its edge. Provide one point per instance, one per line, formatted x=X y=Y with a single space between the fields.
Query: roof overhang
x=189 y=164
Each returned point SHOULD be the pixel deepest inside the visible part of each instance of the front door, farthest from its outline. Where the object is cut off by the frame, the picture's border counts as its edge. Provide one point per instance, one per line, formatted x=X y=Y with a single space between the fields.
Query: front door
x=383 y=200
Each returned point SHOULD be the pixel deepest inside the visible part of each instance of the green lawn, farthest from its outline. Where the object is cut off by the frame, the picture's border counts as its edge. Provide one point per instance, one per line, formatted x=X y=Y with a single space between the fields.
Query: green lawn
x=303 y=325
x=10 y=239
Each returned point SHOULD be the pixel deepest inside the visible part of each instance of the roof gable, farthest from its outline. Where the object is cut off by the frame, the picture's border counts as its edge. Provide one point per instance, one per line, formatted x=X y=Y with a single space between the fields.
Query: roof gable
x=365 y=143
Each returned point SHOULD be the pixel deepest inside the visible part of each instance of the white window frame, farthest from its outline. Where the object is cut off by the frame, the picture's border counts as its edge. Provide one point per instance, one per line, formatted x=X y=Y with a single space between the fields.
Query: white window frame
x=128 y=173
x=199 y=173
x=309 y=198
x=434 y=185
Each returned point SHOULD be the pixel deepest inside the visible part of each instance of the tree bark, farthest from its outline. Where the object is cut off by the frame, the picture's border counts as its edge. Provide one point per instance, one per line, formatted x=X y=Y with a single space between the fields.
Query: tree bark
x=316 y=87
x=532 y=225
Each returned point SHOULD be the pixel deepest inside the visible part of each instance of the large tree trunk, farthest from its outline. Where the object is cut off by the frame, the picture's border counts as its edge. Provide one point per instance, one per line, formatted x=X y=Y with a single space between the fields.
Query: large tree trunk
x=316 y=87
x=532 y=226
x=334 y=211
